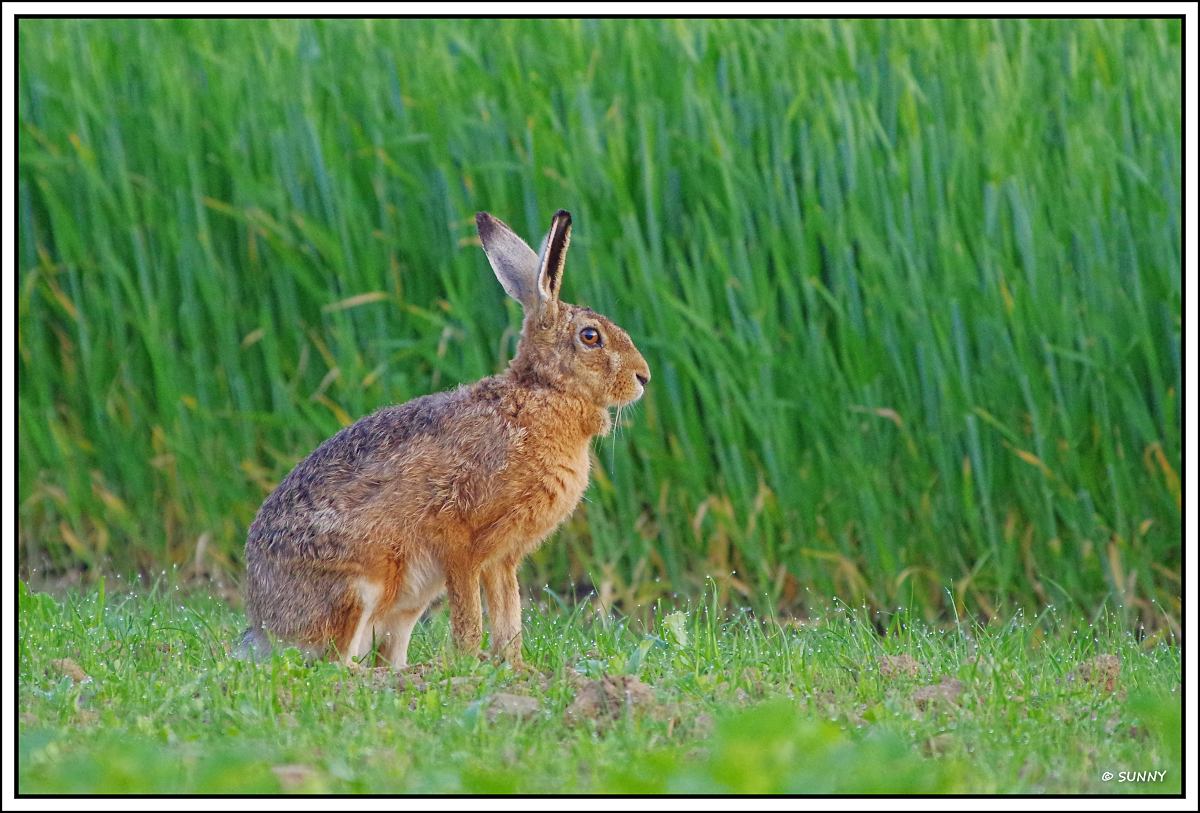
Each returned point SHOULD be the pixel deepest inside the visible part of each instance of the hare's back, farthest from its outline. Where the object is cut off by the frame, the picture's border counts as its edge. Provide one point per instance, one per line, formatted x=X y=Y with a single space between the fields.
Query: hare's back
x=308 y=508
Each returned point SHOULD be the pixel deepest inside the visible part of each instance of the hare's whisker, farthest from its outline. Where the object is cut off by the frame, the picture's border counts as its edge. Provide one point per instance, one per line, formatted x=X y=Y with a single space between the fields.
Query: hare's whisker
x=612 y=441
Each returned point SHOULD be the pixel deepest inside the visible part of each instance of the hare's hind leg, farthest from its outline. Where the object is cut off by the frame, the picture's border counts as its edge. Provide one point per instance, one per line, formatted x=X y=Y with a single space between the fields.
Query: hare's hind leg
x=357 y=624
x=304 y=605
x=504 y=609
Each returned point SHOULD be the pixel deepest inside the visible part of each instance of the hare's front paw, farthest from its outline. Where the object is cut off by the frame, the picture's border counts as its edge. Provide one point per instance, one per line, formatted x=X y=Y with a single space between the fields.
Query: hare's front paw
x=521 y=667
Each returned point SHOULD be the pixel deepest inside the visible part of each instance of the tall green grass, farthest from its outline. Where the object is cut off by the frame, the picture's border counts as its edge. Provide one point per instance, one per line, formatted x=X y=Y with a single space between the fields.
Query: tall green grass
x=910 y=289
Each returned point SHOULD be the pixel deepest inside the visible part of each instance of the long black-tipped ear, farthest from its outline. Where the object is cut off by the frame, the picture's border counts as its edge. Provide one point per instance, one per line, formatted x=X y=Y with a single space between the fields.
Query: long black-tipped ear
x=513 y=261
x=554 y=254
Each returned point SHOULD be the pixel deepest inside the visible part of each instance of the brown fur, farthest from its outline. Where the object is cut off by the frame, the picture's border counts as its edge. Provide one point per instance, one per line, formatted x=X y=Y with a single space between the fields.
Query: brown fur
x=452 y=489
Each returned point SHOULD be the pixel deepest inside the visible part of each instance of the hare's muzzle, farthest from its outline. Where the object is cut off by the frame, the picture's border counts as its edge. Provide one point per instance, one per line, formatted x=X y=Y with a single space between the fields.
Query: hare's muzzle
x=642 y=377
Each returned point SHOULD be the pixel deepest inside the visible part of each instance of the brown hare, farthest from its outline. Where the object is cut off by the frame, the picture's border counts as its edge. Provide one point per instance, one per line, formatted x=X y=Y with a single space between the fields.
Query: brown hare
x=448 y=491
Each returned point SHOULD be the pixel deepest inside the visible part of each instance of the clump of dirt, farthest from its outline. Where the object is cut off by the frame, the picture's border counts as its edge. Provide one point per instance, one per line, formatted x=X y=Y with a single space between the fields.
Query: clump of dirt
x=576 y=679
x=387 y=677
x=892 y=667
x=948 y=691
x=68 y=667
x=517 y=706
x=609 y=698
x=294 y=777
x=533 y=679
x=1100 y=672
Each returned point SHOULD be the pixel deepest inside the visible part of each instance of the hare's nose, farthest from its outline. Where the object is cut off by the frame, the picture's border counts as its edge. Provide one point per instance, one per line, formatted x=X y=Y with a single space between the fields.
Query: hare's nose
x=643 y=379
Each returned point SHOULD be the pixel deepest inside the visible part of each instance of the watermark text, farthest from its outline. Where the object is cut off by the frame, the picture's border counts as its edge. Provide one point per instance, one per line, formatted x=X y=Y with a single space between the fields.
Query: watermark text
x=1134 y=776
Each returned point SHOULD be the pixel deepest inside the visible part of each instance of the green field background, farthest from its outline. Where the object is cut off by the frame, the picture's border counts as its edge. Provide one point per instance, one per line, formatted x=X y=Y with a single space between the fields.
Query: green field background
x=910 y=290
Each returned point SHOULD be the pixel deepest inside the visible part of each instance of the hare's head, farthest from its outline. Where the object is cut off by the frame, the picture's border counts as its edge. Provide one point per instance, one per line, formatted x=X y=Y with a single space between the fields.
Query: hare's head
x=562 y=346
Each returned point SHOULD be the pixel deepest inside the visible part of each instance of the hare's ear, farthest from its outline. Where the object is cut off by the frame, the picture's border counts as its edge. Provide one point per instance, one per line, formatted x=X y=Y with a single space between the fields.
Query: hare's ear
x=554 y=254
x=514 y=262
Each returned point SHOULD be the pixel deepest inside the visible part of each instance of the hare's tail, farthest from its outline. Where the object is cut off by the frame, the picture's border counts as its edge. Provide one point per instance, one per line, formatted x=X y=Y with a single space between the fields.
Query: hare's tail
x=254 y=645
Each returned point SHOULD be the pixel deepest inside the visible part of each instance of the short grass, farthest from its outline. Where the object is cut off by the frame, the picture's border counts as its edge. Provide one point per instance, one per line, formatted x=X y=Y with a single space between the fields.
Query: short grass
x=151 y=701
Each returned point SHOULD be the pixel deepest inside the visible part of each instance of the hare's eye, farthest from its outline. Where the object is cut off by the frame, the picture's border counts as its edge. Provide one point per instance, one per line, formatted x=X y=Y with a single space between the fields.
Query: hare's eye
x=590 y=336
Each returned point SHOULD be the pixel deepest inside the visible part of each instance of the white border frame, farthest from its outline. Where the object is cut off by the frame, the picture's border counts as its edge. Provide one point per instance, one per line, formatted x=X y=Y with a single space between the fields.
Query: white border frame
x=8 y=404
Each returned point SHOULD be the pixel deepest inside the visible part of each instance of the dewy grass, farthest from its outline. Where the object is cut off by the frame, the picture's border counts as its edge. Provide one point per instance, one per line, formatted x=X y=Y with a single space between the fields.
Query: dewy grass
x=910 y=289
x=125 y=689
